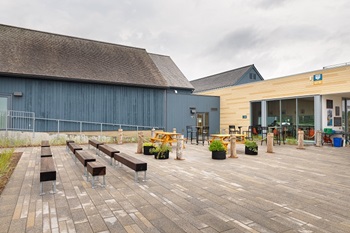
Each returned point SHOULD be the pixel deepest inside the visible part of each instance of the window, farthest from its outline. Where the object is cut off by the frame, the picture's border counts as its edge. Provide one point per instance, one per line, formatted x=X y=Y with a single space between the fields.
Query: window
x=252 y=76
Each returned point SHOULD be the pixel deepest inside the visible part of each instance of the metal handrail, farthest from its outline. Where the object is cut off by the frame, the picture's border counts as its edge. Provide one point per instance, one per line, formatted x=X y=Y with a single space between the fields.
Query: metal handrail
x=12 y=114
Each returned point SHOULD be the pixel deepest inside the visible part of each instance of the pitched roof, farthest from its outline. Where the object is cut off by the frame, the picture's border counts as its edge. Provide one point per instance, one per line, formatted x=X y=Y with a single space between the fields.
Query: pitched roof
x=225 y=79
x=171 y=73
x=51 y=56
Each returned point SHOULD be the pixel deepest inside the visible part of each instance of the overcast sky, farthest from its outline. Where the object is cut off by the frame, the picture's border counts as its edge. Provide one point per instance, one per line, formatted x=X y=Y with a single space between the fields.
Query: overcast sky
x=203 y=37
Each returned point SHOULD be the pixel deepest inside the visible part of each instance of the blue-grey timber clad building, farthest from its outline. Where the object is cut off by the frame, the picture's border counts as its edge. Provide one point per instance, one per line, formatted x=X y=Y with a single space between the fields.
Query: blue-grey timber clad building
x=63 y=77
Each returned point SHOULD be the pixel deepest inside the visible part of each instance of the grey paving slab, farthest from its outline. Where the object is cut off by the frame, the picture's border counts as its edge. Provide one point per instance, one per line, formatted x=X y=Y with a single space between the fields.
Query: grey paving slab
x=289 y=190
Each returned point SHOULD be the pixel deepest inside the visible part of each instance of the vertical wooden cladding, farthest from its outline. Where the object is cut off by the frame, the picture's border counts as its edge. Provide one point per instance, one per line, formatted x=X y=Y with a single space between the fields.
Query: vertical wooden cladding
x=87 y=101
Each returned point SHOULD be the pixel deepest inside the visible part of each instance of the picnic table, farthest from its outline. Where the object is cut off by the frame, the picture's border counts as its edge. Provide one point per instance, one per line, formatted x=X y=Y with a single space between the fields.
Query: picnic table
x=165 y=137
x=225 y=138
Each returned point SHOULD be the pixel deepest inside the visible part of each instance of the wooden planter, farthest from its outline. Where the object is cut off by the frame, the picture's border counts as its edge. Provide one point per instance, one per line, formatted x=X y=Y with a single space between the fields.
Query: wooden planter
x=146 y=150
x=247 y=151
x=218 y=154
x=164 y=156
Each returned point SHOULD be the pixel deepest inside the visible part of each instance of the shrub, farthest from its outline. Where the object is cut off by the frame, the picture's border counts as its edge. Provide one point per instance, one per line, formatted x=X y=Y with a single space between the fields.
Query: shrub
x=216 y=145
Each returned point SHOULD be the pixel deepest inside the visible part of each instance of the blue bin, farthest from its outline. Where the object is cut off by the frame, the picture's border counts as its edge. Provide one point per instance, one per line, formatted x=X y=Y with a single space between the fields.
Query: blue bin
x=337 y=142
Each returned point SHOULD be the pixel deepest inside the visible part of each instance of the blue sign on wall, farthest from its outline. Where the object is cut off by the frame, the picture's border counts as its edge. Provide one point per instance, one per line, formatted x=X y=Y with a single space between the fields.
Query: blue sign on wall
x=317 y=78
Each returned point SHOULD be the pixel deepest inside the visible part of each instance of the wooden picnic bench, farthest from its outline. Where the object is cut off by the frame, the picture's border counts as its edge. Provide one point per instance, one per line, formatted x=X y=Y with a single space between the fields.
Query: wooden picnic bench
x=96 y=169
x=133 y=163
x=45 y=152
x=84 y=157
x=165 y=137
x=110 y=151
x=47 y=173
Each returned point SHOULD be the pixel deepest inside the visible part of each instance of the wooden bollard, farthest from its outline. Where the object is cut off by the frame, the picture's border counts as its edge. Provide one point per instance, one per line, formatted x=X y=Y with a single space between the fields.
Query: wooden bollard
x=269 y=143
x=233 y=151
x=318 y=138
x=120 y=136
x=139 y=143
x=179 y=147
x=300 y=140
x=174 y=130
x=153 y=133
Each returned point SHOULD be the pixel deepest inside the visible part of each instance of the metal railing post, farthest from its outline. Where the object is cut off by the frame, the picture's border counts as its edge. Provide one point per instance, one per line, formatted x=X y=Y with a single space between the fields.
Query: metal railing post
x=81 y=128
x=33 y=125
x=101 y=131
x=6 y=121
x=58 y=128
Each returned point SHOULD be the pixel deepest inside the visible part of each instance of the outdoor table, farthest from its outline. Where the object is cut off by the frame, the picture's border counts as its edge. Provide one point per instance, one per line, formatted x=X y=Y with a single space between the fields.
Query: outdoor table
x=224 y=138
x=165 y=137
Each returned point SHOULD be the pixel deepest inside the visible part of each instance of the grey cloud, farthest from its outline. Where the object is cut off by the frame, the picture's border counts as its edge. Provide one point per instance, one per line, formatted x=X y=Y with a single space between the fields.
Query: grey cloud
x=237 y=41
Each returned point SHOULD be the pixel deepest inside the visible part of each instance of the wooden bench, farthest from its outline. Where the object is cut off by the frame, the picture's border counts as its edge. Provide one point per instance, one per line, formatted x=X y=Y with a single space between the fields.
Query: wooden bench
x=110 y=151
x=133 y=163
x=47 y=173
x=45 y=152
x=74 y=147
x=96 y=169
x=45 y=143
x=95 y=143
x=84 y=157
x=67 y=142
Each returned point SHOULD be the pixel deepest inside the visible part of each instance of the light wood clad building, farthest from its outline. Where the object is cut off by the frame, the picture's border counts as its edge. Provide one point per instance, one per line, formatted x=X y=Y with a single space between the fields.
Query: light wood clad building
x=317 y=99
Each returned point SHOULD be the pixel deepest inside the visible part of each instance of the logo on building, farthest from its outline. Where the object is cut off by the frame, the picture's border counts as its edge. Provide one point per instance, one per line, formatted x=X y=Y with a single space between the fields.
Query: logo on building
x=317 y=79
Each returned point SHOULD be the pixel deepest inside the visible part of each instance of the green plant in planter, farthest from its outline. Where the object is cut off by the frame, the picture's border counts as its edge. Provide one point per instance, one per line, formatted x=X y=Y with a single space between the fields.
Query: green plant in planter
x=147 y=147
x=218 y=150
x=251 y=145
x=216 y=145
x=162 y=151
x=147 y=144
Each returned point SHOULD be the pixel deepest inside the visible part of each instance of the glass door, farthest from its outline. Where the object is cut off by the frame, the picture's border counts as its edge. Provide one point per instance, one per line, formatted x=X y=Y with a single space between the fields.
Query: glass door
x=203 y=119
x=3 y=112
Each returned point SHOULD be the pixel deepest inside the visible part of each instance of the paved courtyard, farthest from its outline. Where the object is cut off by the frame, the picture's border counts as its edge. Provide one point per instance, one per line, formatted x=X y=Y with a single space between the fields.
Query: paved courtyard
x=290 y=190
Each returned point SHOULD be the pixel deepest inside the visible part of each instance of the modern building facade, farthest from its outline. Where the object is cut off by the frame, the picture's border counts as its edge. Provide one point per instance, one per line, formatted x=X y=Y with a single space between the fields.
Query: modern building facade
x=310 y=101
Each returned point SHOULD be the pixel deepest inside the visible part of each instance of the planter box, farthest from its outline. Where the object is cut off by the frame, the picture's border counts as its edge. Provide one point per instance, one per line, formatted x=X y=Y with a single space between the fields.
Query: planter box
x=164 y=156
x=146 y=150
x=218 y=154
x=247 y=151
